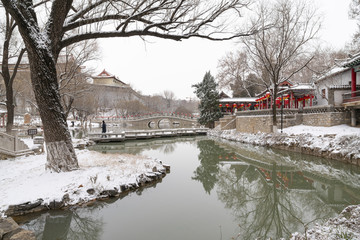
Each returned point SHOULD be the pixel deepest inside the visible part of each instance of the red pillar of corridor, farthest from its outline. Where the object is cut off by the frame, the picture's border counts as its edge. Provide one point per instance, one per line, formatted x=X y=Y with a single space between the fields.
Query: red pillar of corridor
x=353 y=83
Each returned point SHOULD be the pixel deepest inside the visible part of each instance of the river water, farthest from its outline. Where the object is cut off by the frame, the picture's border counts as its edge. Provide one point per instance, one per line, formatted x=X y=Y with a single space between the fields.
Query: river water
x=216 y=190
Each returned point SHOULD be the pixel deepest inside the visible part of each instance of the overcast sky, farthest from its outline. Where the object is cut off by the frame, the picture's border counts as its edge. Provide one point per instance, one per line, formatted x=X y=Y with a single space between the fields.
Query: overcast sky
x=159 y=65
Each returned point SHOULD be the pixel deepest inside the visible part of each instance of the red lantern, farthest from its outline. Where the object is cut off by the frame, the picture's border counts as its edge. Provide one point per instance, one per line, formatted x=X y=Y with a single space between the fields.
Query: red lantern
x=220 y=105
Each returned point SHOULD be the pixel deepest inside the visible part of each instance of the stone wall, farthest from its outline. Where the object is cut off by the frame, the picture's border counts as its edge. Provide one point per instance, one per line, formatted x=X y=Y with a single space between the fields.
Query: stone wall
x=254 y=124
x=326 y=119
x=261 y=121
x=228 y=122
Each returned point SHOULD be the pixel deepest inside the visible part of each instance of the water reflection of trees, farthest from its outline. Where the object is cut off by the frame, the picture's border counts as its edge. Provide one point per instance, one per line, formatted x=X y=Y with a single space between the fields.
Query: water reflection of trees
x=208 y=170
x=62 y=225
x=266 y=199
x=263 y=206
x=78 y=223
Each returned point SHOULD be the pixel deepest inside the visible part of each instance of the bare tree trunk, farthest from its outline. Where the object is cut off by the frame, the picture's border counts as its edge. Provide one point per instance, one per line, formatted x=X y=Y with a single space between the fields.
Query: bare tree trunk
x=60 y=152
x=10 y=108
x=274 y=94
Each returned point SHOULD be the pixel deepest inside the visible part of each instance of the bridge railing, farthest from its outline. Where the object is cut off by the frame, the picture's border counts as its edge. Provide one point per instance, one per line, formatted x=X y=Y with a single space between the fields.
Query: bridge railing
x=12 y=145
x=145 y=134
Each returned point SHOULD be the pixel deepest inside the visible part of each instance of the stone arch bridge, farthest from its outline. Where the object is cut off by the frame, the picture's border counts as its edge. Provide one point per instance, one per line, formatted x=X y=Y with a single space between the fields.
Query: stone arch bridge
x=155 y=121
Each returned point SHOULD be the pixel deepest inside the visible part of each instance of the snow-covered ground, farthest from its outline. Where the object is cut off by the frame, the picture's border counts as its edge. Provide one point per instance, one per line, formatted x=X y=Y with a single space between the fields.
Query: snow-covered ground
x=25 y=179
x=340 y=141
x=339 y=130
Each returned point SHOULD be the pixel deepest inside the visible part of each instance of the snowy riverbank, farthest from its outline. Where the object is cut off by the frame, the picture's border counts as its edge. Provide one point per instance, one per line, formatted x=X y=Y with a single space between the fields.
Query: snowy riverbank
x=25 y=180
x=345 y=226
x=338 y=142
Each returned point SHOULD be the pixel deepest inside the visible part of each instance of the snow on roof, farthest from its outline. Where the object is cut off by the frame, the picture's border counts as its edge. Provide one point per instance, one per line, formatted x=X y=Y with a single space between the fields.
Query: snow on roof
x=106 y=74
x=332 y=72
x=248 y=99
x=226 y=90
x=351 y=61
x=302 y=86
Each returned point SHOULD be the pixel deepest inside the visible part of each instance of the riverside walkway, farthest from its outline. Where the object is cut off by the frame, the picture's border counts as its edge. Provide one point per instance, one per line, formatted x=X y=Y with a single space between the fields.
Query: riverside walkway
x=145 y=134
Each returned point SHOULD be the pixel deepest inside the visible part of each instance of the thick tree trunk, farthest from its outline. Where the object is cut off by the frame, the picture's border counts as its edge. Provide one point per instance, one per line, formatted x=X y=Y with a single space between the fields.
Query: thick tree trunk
x=10 y=108
x=60 y=152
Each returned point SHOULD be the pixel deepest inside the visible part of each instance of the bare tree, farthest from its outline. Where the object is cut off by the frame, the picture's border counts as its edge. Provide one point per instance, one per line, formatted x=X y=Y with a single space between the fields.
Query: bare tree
x=169 y=97
x=68 y=22
x=234 y=73
x=71 y=74
x=10 y=49
x=155 y=103
x=277 y=50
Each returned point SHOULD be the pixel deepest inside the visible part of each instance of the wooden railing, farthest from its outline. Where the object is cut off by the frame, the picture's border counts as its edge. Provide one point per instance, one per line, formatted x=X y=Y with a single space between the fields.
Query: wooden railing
x=351 y=96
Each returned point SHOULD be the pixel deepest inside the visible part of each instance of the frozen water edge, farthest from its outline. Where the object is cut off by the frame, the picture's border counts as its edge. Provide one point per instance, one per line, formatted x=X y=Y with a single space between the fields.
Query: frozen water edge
x=25 y=179
x=342 y=140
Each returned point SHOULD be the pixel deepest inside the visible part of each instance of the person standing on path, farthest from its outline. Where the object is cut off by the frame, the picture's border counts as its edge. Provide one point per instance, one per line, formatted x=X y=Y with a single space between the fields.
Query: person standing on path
x=103 y=127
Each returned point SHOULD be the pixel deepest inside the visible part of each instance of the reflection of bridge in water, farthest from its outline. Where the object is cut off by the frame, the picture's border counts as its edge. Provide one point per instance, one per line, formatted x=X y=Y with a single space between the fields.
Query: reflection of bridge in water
x=154 y=121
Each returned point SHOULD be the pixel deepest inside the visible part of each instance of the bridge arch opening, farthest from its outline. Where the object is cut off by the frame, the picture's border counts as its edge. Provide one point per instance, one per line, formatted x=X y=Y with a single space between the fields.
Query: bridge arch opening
x=164 y=123
x=151 y=124
x=176 y=124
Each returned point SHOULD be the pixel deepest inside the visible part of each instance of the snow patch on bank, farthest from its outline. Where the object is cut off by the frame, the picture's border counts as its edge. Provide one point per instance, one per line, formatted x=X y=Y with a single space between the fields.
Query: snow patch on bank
x=24 y=179
x=340 y=141
x=345 y=226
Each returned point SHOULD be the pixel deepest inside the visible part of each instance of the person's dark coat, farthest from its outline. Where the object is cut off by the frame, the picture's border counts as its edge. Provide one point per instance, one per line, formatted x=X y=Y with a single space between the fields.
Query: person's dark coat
x=103 y=126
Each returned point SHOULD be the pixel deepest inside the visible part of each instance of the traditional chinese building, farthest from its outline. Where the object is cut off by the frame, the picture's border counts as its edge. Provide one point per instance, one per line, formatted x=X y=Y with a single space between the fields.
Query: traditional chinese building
x=108 y=90
x=231 y=105
x=351 y=100
x=338 y=87
x=332 y=85
x=108 y=79
x=292 y=95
